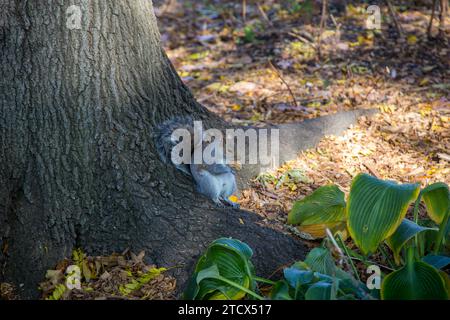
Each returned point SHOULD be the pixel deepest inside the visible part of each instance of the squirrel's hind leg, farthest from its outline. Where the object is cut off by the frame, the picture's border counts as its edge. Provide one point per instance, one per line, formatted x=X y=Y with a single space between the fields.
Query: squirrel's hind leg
x=208 y=186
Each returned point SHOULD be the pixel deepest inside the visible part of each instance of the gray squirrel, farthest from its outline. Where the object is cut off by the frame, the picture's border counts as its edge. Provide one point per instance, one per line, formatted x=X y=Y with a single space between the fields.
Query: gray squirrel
x=216 y=181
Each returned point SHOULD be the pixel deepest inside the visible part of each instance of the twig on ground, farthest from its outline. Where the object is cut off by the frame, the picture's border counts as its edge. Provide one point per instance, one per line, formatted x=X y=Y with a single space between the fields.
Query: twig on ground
x=369 y=262
x=442 y=16
x=303 y=39
x=264 y=15
x=333 y=241
x=397 y=24
x=349 y=257
x=444 y=156
x=372 y=170
x=294 y=100
x=333 y=19
x=322 y=26
x=430 y=25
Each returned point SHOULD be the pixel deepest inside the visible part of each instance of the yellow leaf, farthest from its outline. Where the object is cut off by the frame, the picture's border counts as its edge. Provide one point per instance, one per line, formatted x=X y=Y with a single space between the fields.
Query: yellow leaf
x=424 y=82
x=436 y=128
x=387 y=108
x=233 y=199
x=87 y=273
x=184 y=74
x=236 y=107
x=217 y=86
x=205 y=77
x=360 y=40
x=318 y=231
x=412 y=39
x=315 y=231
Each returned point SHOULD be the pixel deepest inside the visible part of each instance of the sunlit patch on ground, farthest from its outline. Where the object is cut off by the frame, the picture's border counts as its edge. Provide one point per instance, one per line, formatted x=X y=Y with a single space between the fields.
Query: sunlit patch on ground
x=226 y=60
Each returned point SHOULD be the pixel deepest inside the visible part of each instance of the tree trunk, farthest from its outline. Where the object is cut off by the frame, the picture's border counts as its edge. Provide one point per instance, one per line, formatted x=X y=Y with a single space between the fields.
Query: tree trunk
x=78 y=168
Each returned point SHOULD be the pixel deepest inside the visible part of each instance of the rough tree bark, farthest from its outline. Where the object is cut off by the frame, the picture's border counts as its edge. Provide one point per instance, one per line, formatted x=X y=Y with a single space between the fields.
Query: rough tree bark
x=77 y=161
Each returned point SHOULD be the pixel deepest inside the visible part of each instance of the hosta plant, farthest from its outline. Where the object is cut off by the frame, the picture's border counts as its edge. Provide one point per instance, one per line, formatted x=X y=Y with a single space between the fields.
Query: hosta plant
x=324 y=208
x=318 y=278
x=224 y=272
x=375 y=214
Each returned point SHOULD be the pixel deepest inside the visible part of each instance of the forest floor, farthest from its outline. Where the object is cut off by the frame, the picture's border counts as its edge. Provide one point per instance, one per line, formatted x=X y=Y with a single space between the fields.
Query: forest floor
x=266 y=65
x=273 y=64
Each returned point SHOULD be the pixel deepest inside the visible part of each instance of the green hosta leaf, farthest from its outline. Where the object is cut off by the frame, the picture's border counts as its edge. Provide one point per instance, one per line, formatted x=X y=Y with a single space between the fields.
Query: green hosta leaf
x=447 y=234
x=446 y=279
x=301 y=280
x=324 y=208
x=296 y=277
x=437 y=199
x=415 y=281
x=320 y=260
x=223 y=272
x=406 y=231
x=280 y=291
x=319 y=291
x=323 y=205
x=303 y=276
x=439 y=262
x=239 y=246
x=376 y=208
x=427 y=240
x=211 y=272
